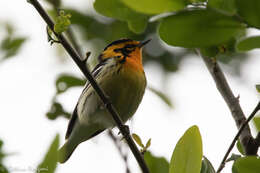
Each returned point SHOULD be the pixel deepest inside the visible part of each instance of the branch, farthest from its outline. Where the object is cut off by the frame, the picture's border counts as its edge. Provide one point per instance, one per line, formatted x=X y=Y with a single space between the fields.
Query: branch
x=248 y=142
x=119 y=148
x=222 y=165
x=232 y=103
x=123 y=129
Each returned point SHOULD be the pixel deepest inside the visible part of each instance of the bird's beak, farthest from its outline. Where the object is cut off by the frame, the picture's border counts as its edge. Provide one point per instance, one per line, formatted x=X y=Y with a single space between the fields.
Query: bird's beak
x=141 y=44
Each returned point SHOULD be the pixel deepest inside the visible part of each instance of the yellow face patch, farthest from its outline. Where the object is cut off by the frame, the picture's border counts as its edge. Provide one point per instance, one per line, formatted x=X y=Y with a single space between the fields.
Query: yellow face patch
x=120 y=50
x=126 y=52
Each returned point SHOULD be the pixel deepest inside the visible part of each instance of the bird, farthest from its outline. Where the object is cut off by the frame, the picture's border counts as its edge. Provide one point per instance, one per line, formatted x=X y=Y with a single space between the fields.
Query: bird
x=120 y=74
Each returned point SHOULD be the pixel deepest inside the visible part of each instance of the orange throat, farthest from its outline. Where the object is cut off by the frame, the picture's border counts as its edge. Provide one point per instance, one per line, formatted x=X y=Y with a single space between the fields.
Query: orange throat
x=134 y=61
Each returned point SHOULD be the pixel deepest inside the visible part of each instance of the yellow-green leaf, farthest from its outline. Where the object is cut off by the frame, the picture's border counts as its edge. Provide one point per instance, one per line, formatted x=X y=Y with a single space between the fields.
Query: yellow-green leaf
x=249 y=164
x=256 y=121
x=62 y=22
x=155 y=7
x=138 y=140
x=187 y=155
x=148 y=143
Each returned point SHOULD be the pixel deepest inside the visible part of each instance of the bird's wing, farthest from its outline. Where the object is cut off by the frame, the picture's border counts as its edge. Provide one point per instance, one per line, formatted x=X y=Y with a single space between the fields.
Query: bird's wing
x=95 y=72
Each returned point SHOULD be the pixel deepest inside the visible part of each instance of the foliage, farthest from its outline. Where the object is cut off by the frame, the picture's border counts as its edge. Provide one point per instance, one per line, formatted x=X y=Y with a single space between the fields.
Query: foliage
x=137 y=22
x=187 y=155
x=249 y=164
x=62 y=22
x=206 y=166
x=248 y=43
x=11 y=44
x=214 y=26
x=217 y=27
x=3 y=168
x=185 y=28
x=156 y=164
x=49 y=162
x=256 y=121
x=140 y=143
x=240 y=147
x=162 y=95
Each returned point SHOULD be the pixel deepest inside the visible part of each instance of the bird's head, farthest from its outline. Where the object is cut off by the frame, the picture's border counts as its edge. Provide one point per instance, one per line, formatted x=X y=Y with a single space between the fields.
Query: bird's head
x=124 y=50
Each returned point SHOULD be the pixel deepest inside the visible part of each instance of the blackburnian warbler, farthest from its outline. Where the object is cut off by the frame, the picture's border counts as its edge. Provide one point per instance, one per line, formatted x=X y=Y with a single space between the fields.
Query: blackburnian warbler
x=120 y=74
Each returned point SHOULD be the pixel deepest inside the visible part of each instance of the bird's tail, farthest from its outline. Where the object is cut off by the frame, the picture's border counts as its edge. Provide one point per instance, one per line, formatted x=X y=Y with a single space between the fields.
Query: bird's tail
x=66 y=150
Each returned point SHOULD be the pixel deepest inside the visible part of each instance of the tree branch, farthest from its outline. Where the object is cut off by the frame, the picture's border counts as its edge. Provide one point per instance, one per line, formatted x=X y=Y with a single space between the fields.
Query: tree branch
x=222 y=165
x=246 y=138
x=124 y=131
x=232 y=102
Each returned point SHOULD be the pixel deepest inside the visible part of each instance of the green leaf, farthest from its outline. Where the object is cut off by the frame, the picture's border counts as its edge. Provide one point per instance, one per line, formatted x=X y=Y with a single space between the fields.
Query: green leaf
x=210 y=51
x=148 y=143
x=258 y=88
x=206 y=166
x=10 y=46
x=62 y=22
x=227 y=6
x=136 y=21
x=138 y=25
x=138 y=140
x=155 y=7
x=233 y=157
x=248 y=43
x=3 y=168
x=49 y=162
x=240 y=147
x=256 y=121
x=199 y=28
x=162 y=96
x=249 y=164
x=156 y=164
x=56 y=111
x=187 y=155
x=249 y=11
x=66 y=81
x=195 y=1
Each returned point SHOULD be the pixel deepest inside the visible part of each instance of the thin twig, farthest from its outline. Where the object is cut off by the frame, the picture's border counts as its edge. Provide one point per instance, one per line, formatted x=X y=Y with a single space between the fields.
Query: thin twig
x=232 y=102
x=123 y=129
x=222 y=165
x=119 y=148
